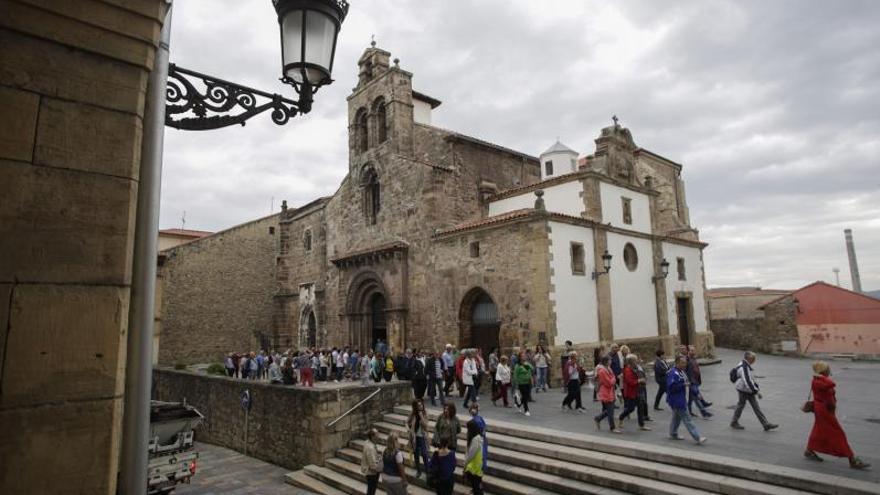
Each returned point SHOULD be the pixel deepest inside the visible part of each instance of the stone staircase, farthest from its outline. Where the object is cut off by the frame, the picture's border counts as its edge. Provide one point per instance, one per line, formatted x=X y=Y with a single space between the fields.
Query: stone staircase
x=543 y=461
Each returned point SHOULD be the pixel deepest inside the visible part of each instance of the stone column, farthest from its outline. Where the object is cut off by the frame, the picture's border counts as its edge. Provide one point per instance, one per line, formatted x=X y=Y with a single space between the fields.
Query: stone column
x=592 y=199
x=395 y=319
x=603 y=287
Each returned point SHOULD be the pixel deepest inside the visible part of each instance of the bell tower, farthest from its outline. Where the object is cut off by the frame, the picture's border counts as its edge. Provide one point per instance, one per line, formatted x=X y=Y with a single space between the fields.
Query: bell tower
x=380 y=109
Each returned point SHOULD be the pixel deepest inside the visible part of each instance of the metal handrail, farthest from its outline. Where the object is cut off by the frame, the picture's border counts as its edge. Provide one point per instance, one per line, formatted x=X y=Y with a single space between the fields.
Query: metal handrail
x=359 y=404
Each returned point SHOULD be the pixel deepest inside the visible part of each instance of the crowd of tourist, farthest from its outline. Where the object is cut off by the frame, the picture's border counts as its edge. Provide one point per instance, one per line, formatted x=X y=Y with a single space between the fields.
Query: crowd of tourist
x=619 y=377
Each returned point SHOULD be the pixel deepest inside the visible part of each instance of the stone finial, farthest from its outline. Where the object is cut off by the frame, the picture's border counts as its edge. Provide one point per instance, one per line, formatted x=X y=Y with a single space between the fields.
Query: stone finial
x=373 y=40
x=649 y=182
x=539 y=202
x=284 y=205
x=397 y=62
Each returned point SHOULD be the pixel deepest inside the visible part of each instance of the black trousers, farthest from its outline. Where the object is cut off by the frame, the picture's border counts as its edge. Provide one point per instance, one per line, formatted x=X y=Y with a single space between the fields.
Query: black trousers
x=372 y=483
x=525 y=391
x=476 y=484
x=661 y=390
x=574 y=394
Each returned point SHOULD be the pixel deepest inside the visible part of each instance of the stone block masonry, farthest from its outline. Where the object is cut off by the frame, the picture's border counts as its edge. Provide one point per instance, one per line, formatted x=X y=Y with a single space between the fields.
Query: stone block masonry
x=286 y=425
x=217 y=294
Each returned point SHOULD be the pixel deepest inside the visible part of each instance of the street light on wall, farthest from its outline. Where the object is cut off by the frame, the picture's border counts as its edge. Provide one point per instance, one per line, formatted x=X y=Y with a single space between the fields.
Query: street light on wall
x=664 y=271
x=606 y=264
x=308 y=29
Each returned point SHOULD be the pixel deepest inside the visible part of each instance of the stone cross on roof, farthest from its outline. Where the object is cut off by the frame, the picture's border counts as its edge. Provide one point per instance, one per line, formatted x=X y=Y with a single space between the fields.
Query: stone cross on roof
x=614 y=118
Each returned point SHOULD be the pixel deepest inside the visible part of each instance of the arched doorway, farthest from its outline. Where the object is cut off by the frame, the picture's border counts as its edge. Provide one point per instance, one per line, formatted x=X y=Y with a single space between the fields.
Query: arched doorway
x=479 y=323
x=377 y=319
x=367 y=311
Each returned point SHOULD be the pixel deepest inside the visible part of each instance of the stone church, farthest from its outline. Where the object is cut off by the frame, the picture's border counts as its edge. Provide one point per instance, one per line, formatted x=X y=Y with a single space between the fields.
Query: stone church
x=435 y=237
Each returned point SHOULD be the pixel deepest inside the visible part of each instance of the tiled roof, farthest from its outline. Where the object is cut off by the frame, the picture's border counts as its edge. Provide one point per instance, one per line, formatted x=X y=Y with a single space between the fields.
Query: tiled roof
x=746 y=291
x=186 y=232
x=552 y=181
x=558 y=147
x=503 y=217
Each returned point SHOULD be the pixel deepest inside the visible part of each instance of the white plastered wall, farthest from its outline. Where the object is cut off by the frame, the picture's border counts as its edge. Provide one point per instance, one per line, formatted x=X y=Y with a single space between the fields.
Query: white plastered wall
x=564 y=162
x=633 y=302
x=421 y=112
x=562 y=198
x=693 y=283
x=577 y=317
x=612 y=207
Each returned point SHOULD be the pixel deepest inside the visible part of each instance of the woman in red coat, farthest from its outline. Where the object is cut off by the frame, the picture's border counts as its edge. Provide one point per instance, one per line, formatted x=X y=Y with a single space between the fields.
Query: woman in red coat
x=827 y=436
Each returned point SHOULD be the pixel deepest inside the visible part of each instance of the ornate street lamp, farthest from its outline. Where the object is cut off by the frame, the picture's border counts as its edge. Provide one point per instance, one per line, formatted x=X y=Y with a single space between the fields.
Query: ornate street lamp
x=664 y=271
x=606 y=264
x=309 y=29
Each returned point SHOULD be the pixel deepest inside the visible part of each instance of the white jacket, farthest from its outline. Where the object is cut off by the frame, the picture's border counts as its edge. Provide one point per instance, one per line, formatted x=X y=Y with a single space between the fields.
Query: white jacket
x=746 y=382
x=502 y=373
x=468 y=371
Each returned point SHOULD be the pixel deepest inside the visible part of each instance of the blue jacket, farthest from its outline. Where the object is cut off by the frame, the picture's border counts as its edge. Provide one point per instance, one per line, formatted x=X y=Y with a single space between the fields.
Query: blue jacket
x=676 y=389
x=661 y=369
x=615 y=364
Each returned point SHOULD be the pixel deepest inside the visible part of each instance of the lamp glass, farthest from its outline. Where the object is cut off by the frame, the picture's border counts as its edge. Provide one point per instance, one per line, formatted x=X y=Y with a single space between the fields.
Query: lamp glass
x=320 y=35
x=664 y=267
x=606 y=261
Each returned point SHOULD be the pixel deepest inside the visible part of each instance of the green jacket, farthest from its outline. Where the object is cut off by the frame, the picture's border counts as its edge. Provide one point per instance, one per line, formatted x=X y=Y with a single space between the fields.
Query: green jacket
x=522 y=374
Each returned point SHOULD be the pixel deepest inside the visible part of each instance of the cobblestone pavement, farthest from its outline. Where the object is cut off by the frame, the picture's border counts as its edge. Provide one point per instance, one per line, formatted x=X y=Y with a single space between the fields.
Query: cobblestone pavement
x=225 y=471
x=785 y=384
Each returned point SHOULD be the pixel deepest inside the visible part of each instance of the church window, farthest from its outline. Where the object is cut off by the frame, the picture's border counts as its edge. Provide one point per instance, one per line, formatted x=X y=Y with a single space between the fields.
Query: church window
x=627 y=211
x=361 y=124
x=475 y=249
x=574 y=164
x=679 y=262
x=370 y=183
x=381 y=121
x=271 y=230
x=630 y=257
x=548 y=167
x=577 y=259
x=307 y=240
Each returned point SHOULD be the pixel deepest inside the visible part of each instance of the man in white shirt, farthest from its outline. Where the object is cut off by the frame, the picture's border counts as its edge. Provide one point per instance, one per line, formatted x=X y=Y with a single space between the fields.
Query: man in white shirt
x=468 y=378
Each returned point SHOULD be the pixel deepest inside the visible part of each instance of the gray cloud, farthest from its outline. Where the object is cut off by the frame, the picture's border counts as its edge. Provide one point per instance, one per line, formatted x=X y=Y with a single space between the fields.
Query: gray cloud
x=771 y=107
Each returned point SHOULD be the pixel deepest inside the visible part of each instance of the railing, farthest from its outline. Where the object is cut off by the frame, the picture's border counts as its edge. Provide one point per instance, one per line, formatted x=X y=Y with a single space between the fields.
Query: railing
x=359 y=404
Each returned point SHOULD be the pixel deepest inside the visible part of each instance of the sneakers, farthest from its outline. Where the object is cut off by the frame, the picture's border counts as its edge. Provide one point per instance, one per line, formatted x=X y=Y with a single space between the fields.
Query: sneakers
x=707 y=415
x=737 y=426
x=675 y=437
x=702 y=440
x=644 y=428
x=617 y=430
x=581 y=410
x=528 y=413
x=598 y=424
x=658 y=408
x=770 y=426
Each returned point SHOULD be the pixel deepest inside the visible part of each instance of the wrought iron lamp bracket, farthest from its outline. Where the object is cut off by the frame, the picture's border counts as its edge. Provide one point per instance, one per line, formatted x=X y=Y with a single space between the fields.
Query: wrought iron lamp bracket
x=188 y=108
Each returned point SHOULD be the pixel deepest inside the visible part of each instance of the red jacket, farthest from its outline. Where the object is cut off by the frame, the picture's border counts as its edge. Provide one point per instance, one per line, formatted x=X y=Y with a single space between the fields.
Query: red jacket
x=630 y=384
x=606 y=383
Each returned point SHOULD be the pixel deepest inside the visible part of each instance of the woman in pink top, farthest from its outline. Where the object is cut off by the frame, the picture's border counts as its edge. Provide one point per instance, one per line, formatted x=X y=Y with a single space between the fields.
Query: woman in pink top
x=606 y=381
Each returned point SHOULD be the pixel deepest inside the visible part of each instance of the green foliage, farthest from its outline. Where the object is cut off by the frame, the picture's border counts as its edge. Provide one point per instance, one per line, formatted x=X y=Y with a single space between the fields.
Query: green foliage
x=216 y=369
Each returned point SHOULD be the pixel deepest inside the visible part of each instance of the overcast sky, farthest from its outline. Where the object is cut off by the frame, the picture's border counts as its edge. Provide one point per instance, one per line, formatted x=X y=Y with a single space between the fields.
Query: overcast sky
x=773 y=108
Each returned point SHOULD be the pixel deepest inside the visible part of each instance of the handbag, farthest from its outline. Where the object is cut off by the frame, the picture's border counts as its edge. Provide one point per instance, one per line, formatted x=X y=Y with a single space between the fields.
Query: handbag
x=808 y=405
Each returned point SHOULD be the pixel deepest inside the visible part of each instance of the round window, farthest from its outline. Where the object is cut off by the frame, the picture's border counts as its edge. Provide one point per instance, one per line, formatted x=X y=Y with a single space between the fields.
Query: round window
x=630 y=257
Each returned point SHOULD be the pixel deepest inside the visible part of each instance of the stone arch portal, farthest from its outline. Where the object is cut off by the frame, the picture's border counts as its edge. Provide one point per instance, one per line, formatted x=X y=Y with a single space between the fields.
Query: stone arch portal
x=367 y=311
x=479 y=324
x=308 y=328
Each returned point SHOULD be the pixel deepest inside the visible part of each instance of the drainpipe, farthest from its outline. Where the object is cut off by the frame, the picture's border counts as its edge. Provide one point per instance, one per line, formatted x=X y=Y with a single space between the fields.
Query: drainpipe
x=138 y=372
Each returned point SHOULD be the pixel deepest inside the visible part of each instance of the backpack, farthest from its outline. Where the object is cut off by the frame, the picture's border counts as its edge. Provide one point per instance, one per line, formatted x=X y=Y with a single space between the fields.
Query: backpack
x=734 y=374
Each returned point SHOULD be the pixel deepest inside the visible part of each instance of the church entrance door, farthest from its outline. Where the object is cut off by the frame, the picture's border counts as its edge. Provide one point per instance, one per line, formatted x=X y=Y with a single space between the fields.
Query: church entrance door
x=312 y=330
x=479 y=322
x=377 y=318
x=683 y=307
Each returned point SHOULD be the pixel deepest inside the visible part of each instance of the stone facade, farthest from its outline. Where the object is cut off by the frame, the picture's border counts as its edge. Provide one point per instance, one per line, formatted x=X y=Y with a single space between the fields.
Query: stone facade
x=73 y=80
x=763 y=334
x=228 y=278
x=286 y=425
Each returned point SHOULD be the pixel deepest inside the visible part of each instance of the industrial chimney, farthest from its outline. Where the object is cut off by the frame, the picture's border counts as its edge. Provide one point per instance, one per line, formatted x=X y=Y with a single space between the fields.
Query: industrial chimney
x=853 y=264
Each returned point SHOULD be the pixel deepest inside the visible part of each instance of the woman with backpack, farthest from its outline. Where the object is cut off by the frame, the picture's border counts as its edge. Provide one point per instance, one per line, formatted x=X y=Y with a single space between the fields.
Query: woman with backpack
x=473 y=468
x=393 y=474
x=417 y=424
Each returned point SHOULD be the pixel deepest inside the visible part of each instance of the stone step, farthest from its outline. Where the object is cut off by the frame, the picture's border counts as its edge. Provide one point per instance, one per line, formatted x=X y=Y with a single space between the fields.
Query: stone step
x=352 y=470
x=726 y=467
x=607 y=469
x=558 y=475
x=528 y=479
x=302 y=479
x=336 y=480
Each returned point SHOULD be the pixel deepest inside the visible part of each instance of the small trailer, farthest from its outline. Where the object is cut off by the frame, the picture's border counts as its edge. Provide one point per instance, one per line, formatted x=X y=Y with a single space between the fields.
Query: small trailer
x=172 y=459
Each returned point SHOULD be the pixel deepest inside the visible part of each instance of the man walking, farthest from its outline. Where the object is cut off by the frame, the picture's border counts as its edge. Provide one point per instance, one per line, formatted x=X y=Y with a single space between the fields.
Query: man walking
x=448 y=368
x=468 y=378
x=676 y=397
x=748 y=390
x=572 y=371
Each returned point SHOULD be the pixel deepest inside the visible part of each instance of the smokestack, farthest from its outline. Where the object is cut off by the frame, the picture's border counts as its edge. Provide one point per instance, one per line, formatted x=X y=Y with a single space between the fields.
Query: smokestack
x=853 y=264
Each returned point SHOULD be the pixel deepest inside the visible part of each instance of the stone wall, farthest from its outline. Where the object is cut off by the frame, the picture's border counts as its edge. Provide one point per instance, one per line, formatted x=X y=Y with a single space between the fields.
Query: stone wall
x=217 y=294
x=286 y=425
x=762 y=334
x=73 y=81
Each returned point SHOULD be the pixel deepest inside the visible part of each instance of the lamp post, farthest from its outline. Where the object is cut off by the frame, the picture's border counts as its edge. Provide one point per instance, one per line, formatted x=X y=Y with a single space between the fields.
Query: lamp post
x=308 y=29
x=606 y=264
x=664 y=271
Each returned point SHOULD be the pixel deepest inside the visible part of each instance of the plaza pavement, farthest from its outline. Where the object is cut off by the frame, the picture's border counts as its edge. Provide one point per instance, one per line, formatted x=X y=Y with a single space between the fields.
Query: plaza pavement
x=784 y=383
x=225 y=471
